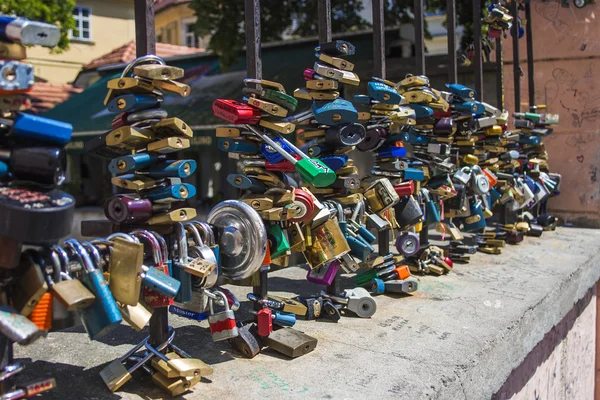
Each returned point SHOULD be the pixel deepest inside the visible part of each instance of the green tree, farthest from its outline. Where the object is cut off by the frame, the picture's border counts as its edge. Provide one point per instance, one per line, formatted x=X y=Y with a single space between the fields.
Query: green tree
x=58 y=12
x=224 y=20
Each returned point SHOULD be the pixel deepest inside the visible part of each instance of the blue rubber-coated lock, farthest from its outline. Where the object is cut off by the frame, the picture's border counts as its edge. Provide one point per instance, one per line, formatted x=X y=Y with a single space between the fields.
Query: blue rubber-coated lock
x=273 y=156
x=15 y=77
x=132 y=103
x=177 y=192
x=317 y=150
x=132 y=162
x=335 y=162
x=383 y=93
x=432 y=214
x=28 y=126
x=392 y=151
x=161 y=283
x=377 y=286
x=494 y=196
x=284 y=319
x=243 y=182
x=469 y=107
x=3 y=168
x=358 y=249
x=476 y=220
x=173 y=169
x=238 y=146
x=461 y=90
x=365 y=234
x=421 y=111
x=533 y=140
x=334 y=113
x=413 y=174
x=288 y=180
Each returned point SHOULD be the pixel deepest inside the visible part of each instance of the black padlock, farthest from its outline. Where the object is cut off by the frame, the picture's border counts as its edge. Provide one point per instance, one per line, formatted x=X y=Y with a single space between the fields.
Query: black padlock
x=457 y=202
x=535 y=230
x=247 y=342
x=444 y=127
x=408 y=211
x=314 y=307
x=43 y=165
x=330 y=311
x=374 y=139
x=347 y=135
x=514 y=237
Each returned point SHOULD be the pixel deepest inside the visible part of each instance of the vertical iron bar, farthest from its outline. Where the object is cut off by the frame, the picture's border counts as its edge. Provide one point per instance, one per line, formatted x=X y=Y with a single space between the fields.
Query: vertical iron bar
x=378 y=40
x=530 y=71
x=477 y=56
x=419 y=10
x=324 y=11
x=451 y=28
x=145 y=40
x=499 y=71
x=253 y=40
x=145 y=43
x=514 y=8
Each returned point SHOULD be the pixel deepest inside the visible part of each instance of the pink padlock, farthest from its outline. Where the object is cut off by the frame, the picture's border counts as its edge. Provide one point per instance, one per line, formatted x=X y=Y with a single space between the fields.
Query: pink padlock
x=324 y=275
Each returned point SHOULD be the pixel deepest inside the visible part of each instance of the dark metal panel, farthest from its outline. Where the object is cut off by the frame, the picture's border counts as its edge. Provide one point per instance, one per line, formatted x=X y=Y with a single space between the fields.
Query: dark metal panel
x=419 y=11
x=530 y=60
x=145 y=40
x=477 y=56
x=514 y=9
x=378 y=39
x=253 y=54
x=324 y=21
x=451 y=27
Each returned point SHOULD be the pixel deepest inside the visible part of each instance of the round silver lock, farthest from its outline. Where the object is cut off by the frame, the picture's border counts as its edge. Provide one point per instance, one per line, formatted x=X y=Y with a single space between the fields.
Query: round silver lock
x=242 y=238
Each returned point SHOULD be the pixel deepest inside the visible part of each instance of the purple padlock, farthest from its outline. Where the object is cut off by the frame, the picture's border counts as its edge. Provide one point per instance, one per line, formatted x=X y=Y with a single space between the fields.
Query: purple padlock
x=324 y=275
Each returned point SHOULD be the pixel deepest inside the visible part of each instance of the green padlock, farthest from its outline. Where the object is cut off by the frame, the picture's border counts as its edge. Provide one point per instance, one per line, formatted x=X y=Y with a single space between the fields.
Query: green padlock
x=279 y=243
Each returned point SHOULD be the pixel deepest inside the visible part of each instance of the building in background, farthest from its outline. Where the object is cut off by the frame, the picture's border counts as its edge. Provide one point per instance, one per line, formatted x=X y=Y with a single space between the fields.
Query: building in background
x=174 y=24
x=102 y=26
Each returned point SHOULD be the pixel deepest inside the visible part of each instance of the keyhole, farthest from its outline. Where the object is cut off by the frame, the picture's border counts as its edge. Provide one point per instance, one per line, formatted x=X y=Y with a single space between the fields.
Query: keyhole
x=9 y=74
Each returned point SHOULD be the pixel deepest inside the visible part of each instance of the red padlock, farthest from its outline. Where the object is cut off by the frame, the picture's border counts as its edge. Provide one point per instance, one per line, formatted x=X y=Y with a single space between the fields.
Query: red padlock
x=264 y=320
x=304 y=205
x=282 y=166
x=309 y=74
x=442 y=114
x=235 y=112
x=405 y=188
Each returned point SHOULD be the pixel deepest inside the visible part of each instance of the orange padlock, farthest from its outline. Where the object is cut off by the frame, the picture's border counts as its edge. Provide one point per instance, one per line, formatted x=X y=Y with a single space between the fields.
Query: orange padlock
x=491 y=177
x=267 y=259
x=41 y=315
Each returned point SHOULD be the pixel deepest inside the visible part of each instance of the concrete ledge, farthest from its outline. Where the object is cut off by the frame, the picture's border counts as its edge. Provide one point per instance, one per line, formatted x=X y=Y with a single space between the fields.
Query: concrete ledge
x=459 y=337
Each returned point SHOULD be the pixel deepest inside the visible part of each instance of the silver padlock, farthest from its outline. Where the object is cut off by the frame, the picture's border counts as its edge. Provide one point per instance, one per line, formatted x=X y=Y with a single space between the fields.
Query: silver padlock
x=17 y=327
x=360 y=302
x=401 y=286
x=480 y=183
x=463 y=175
x=222 y=324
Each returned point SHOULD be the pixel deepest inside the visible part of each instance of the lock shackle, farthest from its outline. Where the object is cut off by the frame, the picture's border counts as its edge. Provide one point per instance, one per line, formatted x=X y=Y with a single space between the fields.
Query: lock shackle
x=425 y=194
x=223 y=297
x=81 y=255
x=204 y=228
x=94 y=253
x=65 y=268
x=193 y=229
x=337 y=207
x=358 y=212
x=147 y=59
x=122 y=236
x=163 y=246
x=150 y=239
x=181 y=248
x=57 y=267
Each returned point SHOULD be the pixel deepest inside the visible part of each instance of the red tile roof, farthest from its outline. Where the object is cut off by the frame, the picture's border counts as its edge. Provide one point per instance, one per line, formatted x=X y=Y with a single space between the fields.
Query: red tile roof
x=126 y=54
x=45 y=96
x=162 y=4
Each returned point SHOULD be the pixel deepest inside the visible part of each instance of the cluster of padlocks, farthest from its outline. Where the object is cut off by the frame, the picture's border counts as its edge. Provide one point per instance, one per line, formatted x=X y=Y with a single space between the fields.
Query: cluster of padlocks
x=441 y=159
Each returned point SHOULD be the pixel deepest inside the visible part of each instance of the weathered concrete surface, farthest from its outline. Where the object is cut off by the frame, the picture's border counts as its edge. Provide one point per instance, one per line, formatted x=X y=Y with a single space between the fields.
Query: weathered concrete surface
x=459 y=337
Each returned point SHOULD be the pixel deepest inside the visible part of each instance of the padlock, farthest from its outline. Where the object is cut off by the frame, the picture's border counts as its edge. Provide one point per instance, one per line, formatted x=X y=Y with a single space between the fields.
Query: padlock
x=476 y=220
x=103 y=315
x=383 y=93
x=374 y=139
x=13 y=51
x=174 y=386
x=346 y=135
x=31 y=284
x=137 y=316
x=247 y=342
x=325 y=274
x=334 y=113
x=432 y=214
x=408 y=212
x=173 y=365
x=68 y=291
x=133 y=103
x=328 y=243
x=264 y=322
x=17 y=328
x=407 y=243
x=125 y=268
x=290 y=342
x=336 y=48
x=132 y=162
x=45 y=165
x=168 y=145
x=41 y=315
x=380 y=195
x=172 y=169
x=171 y=193
x=15 y=77
x=222 y=324
x=398 y=286
x=357 y=300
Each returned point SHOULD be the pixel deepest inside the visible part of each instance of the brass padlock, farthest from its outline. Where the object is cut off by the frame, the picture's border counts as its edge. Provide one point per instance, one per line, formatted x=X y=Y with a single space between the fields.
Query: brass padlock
x=134 y=182
x=328 y=243
x=258 y=202
x=125 y=268
x=296 y=238
x=174 y=87
x=179 y=215
x=158 y=71
x=172 y=127
x=137 y=316
x=169 y=145
x=31 y=285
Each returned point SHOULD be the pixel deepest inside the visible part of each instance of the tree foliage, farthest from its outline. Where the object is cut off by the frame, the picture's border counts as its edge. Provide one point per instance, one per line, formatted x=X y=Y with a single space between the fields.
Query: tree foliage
x=224 y=22
x=58 y=12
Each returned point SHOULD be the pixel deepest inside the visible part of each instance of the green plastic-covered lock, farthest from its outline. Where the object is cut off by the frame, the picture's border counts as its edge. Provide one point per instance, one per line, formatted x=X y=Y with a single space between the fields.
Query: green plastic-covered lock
x=314 y=172
x=279 y=242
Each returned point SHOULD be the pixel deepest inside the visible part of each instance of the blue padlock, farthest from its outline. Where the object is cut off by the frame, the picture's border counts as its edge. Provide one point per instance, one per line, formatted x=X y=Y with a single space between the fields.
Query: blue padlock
x=21 y=77
x=133 y=103
x=177 y=265
x=284 y=319
x=358 y=249
x=469 y=107
x=238 y=146
x=103 y=315
x=334 y=113
x=288 y=180
x=317 y=150
x=132 y=162
x=177 y=192
x=160 y=282
x=28 y=126
x=533 y=140
x=172 y=169
x=247 y=183
x=414 y=138
x=189 y=314
x=413 y=174
x=362 y=99
x=494 y=197
x=461 y=90
x=335 y=162
x=476 y=220
x=421 y=111
x=273 y=156
x=392 y=151
x=383 y=93
x=3 y=168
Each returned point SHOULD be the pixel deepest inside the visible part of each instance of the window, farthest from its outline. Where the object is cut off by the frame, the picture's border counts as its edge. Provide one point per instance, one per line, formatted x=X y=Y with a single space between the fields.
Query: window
x=83 y=20
x=190 y=36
